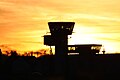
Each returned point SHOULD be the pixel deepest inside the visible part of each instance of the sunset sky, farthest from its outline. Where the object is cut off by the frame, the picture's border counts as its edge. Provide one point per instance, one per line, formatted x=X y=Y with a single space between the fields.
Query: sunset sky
x=24 y=22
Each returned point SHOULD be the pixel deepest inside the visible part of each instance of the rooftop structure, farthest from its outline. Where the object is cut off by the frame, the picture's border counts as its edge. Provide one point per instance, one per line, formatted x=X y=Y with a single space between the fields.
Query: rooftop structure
x=84 y=49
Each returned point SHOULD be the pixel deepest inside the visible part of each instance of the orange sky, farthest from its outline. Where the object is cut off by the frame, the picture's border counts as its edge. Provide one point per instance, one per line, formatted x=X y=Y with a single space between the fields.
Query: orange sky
x=23 y=22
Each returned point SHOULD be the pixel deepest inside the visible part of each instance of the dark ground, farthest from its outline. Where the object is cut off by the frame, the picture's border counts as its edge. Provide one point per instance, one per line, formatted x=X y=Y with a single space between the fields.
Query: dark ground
x=92 y=67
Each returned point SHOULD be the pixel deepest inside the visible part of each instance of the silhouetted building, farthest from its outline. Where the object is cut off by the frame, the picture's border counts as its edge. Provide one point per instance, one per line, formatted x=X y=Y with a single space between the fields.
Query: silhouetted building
x=85 y=49
x=59 y=36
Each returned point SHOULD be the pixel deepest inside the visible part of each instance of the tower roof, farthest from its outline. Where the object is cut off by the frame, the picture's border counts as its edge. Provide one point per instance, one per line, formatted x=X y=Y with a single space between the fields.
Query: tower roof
x=61 y=28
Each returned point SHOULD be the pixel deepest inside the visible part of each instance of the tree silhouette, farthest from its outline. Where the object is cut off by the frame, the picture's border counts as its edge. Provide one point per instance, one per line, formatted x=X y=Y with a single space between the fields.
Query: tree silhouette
x=0 y=52
x=14 y=53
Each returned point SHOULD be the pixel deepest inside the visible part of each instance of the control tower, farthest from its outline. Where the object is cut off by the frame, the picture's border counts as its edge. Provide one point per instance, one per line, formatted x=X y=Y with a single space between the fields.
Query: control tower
x=59 y=36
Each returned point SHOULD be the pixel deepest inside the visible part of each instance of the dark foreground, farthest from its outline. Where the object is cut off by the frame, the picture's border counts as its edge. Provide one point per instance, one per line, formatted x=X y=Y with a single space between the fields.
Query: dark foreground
x=89 y=67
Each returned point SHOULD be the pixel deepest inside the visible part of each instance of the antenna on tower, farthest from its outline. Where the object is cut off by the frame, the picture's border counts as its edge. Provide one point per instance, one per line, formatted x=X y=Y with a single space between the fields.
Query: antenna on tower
x=103 y=50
